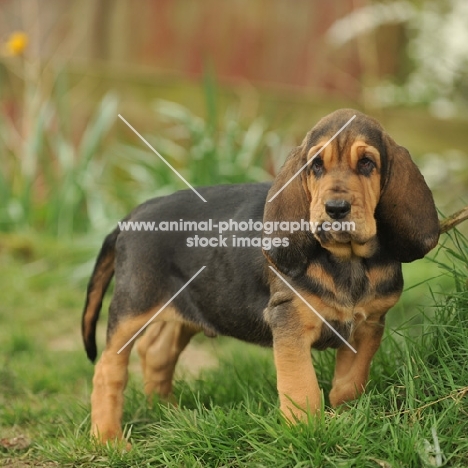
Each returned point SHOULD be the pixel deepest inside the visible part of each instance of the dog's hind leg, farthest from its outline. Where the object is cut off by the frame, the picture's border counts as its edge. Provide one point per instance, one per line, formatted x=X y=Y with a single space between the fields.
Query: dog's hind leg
x=159 y=350
x=111 y=373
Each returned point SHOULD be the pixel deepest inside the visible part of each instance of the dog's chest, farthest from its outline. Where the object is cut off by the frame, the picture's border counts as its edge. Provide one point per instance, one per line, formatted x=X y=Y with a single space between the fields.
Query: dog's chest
x=352 y=283
x=347 y=285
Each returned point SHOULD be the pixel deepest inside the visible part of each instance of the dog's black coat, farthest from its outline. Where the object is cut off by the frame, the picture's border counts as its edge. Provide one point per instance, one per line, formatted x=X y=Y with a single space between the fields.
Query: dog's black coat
x=230 y=294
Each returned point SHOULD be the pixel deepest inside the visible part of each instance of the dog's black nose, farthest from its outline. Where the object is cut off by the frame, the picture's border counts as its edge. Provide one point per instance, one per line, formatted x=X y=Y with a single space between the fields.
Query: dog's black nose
x=337 y=209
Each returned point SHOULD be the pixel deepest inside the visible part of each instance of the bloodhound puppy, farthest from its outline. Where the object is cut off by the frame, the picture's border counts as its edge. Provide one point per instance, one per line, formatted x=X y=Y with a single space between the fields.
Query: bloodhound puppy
x=290 y=289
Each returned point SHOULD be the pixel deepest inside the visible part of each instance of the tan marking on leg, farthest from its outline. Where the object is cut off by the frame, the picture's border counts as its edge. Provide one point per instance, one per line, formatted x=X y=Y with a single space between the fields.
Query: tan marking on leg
x=161 y=348
x=352 y=369
x=297 y=383
x=110 y=378
x=145 y=341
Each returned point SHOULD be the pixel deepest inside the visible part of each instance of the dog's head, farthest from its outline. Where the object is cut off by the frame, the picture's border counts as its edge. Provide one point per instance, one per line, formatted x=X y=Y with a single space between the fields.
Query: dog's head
x=359 y=190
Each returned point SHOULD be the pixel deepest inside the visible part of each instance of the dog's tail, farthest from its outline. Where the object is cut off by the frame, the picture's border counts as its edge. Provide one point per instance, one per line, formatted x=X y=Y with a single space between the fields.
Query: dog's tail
x=97 y=286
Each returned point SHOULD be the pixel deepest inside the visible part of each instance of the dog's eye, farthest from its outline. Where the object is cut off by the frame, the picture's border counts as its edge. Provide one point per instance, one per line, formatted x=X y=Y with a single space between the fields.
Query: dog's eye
x=365 y=166
x=317 y=165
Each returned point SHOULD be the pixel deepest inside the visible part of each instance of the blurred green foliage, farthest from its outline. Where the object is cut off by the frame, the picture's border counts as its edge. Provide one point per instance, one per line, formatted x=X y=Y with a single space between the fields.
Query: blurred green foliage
x=49 y=180
x=214 y=150
x=56 y=180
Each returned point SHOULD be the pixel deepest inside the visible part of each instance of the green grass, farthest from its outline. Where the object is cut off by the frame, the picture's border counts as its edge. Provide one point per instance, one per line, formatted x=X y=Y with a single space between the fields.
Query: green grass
x=228 y=415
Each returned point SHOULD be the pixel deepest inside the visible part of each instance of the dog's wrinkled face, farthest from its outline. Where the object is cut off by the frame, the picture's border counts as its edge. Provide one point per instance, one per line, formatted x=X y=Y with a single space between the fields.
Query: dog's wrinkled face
x=362 y=190
x=344 y=183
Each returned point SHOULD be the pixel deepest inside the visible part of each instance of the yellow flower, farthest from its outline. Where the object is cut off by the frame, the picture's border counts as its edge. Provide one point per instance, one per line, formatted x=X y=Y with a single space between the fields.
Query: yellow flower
x=17 y=43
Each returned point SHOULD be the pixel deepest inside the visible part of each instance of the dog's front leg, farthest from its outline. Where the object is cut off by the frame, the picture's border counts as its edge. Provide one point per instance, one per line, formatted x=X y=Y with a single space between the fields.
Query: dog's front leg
x=294 y=330
x=298 y=388
x=352 y=369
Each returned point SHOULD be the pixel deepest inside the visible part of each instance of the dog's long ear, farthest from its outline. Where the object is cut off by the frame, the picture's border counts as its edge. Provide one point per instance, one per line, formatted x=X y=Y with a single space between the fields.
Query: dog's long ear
x=406 y=216
x=291 y=204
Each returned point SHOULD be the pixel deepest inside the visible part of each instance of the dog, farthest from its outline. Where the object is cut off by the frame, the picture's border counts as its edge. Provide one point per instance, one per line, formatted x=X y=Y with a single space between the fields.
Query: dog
x=292 y=290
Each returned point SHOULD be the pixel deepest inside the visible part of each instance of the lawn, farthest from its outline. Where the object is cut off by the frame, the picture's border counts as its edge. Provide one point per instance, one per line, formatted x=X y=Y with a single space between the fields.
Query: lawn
x=414 y=413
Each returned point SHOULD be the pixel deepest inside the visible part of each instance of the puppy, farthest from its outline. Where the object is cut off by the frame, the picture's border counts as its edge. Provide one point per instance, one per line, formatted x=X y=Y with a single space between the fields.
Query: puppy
x=368 y=209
